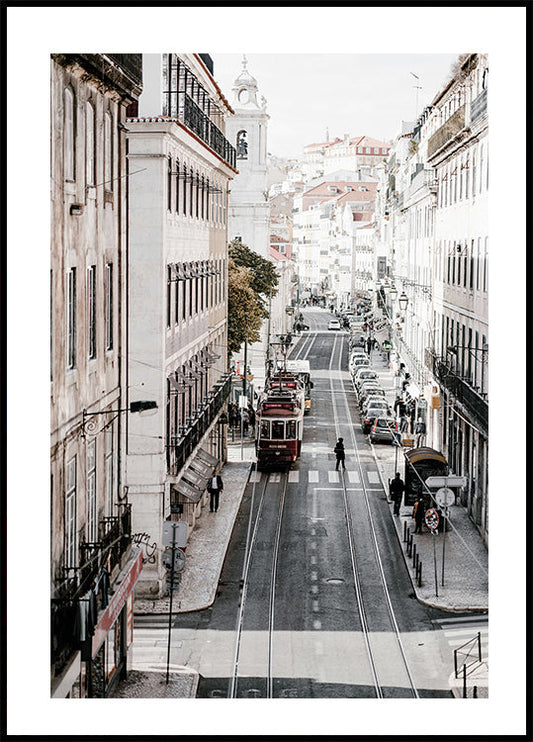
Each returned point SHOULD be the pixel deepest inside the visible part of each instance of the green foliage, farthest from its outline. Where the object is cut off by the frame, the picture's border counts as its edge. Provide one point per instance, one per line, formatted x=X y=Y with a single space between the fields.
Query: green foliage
x=264 y=279
x=252 y=280
x=245 y=312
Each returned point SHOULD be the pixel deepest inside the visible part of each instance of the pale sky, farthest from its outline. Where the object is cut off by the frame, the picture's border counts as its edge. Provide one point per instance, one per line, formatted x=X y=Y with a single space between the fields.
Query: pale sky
x=346 y=93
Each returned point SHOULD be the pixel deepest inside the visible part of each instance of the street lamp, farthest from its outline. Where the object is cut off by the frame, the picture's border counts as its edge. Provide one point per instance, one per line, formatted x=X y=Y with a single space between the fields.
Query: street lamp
x=403 y=301
x=88 y=425
x=393 y=292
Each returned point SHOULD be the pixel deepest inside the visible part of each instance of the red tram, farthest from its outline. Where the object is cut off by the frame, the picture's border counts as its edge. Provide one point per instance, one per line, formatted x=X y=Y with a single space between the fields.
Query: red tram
x=280 y=414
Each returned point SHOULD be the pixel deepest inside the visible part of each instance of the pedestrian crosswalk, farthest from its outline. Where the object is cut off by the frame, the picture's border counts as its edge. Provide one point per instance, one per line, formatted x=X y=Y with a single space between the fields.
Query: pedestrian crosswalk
x=464 y=630
x=370 y=477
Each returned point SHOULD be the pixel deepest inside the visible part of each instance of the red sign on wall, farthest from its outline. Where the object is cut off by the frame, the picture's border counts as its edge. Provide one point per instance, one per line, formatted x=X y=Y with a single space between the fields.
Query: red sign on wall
x=117 y=603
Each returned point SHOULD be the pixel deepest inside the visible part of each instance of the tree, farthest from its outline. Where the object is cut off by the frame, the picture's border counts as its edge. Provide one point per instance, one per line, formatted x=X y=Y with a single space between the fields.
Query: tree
x=245 y=311
x=264 y=279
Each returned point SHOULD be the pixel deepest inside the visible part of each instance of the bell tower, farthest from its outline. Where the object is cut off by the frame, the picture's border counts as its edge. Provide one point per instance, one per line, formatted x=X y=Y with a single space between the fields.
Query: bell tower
x=247 y=131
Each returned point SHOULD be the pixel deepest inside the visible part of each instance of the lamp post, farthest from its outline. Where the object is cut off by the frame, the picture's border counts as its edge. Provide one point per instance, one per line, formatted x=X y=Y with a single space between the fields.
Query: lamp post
x=403 y=301
x=88 y=424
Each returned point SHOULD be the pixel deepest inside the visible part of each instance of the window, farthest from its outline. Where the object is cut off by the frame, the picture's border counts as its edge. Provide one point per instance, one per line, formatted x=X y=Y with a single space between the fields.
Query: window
x=109 y=306
x=70 y=514
x=71 y=318
x=89 y=143
x=177 y=186
x=109 y=474
x=169 y=294
x=480 y=168
x=108 y=152
x=69 y=139
x=278 y=429
x=467 y=173
x=486 y=265
x=265 y=429
x=184 y=190
x=91 y=492
x=473 y=174
x=177 y=298
x=169 y=185
x=191 y=191
x=91 y=311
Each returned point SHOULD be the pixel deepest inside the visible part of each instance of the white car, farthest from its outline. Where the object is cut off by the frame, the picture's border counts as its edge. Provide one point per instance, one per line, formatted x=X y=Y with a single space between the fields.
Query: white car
x=334 y=324
x=362 y=373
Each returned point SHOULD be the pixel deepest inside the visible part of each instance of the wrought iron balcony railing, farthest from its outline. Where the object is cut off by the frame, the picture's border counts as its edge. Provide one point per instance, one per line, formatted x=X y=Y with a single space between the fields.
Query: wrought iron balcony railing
x=115 y=539
x=478 y=106
x=190 y=435
x=461 y=390
x=447 y=131
x=196 y=120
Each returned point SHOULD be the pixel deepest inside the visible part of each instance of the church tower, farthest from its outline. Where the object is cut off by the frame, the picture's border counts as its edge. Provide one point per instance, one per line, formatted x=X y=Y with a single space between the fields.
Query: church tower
x=247 y=130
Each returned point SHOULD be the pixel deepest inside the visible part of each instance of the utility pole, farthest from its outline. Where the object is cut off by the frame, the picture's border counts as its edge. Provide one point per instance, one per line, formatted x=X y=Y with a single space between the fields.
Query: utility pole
x=417 y=88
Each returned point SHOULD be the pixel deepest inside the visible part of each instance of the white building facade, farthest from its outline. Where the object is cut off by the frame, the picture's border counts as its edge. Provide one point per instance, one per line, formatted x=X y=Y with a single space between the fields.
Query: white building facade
x=180 y=166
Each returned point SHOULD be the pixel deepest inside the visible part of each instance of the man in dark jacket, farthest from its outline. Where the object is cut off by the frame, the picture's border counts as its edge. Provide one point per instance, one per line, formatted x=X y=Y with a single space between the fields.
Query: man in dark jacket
x=339 y=453
x=215 y=487
x=396 y=489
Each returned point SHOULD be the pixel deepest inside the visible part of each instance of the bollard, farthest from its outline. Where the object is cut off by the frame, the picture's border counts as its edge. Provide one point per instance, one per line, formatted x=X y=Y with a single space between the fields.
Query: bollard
x=416 y=561
x=475 y=691
x=410 y=545
x=419 y=573
x=404 y=531
x=414 y=553
x=464 y=681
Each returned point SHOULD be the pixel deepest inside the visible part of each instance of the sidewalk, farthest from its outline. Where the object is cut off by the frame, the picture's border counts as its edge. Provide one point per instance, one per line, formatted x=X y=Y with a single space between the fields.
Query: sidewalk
x=463 y=584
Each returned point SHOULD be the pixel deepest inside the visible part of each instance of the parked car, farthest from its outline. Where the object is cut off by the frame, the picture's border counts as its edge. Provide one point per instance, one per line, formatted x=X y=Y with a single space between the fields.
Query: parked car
x=383 y=429
x=334 y=324
x=369 y=392
x=371 y=413
x=358 y=361
x=364 y=373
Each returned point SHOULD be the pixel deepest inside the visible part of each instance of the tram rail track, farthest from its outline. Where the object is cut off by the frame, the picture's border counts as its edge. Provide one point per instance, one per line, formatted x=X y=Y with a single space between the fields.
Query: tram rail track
x=360 y=599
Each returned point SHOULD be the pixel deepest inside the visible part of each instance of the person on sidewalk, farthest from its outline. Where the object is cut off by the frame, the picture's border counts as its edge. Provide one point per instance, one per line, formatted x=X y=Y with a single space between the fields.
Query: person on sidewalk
x=369 y=345
x=339 y=453
x=215 y=487
x=251 y=415
x=420 y=431
x=418 y=514
x=397 y=488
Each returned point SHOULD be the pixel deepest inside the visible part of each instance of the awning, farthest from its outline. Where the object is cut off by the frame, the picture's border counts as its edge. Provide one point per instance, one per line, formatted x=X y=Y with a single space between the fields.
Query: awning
x=187 y=490
x=193 y=482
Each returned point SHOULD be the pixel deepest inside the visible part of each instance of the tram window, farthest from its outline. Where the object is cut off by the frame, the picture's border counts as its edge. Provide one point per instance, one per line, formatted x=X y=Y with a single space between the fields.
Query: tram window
x=291 y=430
x=265 y=429
x=277 y=429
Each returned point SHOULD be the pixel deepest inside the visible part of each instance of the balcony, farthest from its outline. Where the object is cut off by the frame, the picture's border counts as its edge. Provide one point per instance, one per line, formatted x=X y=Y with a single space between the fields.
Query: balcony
x=111 y=551
x=459 y=388
x=196 y=120
x=478 y=106
x=447 y=131
x=190 y=436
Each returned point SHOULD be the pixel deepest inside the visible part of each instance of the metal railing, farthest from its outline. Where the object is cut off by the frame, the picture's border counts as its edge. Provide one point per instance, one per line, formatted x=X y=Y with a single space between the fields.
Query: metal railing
x=190 y=437
x=196 y=120
x=115 y=539
x=447 y=131
x=462 y=391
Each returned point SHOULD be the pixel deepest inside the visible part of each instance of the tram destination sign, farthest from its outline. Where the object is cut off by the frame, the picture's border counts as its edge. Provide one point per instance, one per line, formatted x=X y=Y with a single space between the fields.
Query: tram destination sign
x=451 y=481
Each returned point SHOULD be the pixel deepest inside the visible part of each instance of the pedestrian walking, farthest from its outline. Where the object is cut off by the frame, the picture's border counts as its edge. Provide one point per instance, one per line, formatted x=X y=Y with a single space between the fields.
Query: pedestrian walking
x=420 y=432
x=404 y=425
x=339 y=453
x=418 y=514
x=396 y=489
x=369 y=345
x=215 y=487
x=251 y=417
x=245 y=421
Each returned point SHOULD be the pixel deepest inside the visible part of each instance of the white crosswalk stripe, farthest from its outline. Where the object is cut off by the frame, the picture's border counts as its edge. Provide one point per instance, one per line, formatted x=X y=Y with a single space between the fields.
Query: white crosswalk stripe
x=333 y=476
x=463 y=630
x=354 y=477
x=313 y=476
x=373 y=477
x=294 y=476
